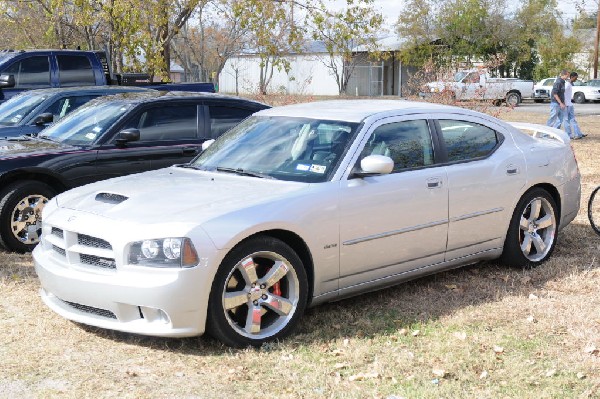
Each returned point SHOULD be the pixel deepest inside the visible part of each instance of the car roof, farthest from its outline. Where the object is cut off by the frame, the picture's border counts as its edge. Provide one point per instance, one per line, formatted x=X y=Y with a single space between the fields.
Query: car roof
x=85 y=90
x=355 y=110
x=157 y=95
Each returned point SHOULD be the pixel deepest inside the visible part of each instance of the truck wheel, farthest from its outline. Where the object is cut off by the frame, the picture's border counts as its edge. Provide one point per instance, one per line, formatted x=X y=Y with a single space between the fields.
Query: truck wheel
x=513 y=99
x=21 y=214
x=579 y=98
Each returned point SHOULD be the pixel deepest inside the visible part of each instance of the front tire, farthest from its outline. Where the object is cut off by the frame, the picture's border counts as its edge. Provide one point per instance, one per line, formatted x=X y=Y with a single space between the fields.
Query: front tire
x=21 y=208
x=579 y=98
x=258 y=295
x=533 y=230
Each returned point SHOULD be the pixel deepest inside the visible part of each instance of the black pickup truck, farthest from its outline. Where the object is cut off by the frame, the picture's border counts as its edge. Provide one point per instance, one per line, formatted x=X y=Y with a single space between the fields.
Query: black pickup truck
x=38 y=69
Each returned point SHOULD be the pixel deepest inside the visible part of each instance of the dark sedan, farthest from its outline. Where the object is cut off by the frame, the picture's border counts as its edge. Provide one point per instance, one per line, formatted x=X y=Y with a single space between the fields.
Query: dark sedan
x=32 y=111
x=111 y=136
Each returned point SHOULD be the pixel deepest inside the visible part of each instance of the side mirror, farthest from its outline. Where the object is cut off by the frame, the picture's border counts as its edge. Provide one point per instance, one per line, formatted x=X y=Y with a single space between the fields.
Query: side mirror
x=7 y=81
x=127 y=135
x=374 y=165
x=207 y=144
x=43 y=119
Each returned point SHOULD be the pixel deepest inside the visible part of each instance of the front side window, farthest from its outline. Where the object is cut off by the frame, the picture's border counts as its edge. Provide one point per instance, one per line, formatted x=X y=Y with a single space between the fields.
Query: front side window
x=408 y=143
x=167 y=122
x=75 y=70
x=285 y=148
x=467 y=140
x=224 y=118
x=65 y=105
x=31 y=72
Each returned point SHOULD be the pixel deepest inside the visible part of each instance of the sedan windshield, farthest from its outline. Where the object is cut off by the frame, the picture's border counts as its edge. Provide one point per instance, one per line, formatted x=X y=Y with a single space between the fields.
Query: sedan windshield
x=87 y=124
x=296 y=149
x=14 y=110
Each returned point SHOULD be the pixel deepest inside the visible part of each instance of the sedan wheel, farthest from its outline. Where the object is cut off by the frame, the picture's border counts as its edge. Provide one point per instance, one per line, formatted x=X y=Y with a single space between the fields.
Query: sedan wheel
x=21 y=214
x=533 y=230
x=579 y=98
x=258 y=294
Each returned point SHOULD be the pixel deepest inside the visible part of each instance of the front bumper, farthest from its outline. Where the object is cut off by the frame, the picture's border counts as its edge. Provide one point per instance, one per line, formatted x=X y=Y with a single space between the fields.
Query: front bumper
x=91 y=284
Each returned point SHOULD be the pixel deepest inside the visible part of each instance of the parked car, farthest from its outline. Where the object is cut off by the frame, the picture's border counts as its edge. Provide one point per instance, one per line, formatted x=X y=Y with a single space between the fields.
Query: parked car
x=589 y=91
x=111 y=136
x=581 y=91
x=37 y=69
x=32 y=111
x=300 y=205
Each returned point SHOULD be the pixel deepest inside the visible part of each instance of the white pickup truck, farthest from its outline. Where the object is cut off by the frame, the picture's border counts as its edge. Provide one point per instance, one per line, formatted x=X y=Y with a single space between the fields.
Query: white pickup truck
x=477 y=85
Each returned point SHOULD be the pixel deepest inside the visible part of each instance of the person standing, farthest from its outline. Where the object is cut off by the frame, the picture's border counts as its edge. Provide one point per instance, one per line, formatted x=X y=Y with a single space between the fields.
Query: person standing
x=557 y=100
x=570 y=124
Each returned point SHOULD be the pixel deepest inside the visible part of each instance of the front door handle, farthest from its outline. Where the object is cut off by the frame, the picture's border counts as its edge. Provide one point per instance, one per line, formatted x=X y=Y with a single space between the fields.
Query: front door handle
x=434 y=182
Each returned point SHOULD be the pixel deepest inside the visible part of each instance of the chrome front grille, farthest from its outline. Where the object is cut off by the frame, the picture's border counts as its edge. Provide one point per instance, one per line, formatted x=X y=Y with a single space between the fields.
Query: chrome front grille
x=57 y=232
x=59 y=250
x=89 y=241
x=91 y=310
x=99 y=261
x=78 y=249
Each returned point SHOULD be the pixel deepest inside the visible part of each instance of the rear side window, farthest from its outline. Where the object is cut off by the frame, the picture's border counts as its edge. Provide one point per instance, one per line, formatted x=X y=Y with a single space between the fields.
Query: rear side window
x=467 y=140
x=167 y=122
x=30 y=73
x=75 y=70
x=223 y=118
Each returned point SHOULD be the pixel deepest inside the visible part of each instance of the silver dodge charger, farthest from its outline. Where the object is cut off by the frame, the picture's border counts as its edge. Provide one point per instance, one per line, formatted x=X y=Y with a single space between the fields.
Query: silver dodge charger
x=300 y=205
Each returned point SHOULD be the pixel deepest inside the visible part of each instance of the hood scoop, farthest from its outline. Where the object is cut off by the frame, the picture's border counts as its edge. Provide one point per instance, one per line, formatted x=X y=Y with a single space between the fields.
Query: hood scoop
x=111 y=198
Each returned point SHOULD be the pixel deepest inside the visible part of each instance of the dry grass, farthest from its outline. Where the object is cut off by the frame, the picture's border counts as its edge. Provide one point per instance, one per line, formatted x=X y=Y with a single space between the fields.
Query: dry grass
x=485 y=331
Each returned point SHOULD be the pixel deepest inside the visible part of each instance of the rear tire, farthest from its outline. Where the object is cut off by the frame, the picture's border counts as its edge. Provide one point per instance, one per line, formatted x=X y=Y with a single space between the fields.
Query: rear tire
x=513 y=99
x=21 y=206
x=258 y=295
x=533 y=230
x=594 y=210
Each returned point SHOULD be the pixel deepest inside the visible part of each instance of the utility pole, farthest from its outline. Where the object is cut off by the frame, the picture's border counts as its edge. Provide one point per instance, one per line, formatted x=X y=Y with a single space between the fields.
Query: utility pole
x=596 y=42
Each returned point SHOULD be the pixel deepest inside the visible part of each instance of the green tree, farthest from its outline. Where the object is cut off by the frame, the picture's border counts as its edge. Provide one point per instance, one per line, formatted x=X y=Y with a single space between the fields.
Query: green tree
x=342 y=32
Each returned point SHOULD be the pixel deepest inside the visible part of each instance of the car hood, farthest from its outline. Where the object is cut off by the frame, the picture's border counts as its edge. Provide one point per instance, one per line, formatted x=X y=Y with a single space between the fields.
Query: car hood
x=25 y=146
x=174 y=194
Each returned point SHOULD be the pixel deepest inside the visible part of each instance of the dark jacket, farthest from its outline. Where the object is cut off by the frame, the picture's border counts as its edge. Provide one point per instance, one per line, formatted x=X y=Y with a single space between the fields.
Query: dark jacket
x=558 y=88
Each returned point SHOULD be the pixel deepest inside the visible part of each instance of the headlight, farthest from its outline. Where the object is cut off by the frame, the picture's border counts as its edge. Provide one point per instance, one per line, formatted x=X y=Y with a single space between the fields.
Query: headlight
x=163 y=252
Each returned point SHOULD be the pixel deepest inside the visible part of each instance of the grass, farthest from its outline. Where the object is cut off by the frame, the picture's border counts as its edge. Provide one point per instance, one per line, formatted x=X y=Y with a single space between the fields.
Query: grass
x=484 y=331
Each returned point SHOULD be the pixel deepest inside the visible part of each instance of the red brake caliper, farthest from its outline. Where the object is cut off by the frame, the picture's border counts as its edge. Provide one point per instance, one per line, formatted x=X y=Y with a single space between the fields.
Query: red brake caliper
x=277 y=288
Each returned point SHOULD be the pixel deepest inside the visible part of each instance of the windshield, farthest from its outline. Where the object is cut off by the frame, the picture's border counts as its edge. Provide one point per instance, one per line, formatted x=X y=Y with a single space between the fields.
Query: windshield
x=295 y=149
x=5 y=56
x=459 y=76
x=14 y=110
x=85 y=125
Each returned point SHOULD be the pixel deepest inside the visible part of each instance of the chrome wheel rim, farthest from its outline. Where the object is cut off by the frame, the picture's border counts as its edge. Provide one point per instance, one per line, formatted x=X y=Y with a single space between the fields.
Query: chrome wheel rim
x=26 y=219
x=512 y=100
x=537 y=229
x=260 y=295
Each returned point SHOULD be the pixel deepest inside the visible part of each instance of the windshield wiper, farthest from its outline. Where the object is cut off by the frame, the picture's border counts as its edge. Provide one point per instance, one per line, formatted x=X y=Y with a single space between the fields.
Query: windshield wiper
x=43 y=137
x=242 y=172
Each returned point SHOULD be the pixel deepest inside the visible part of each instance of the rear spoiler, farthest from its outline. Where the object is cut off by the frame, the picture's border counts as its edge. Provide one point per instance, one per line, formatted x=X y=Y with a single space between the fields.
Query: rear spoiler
x=542 y=131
